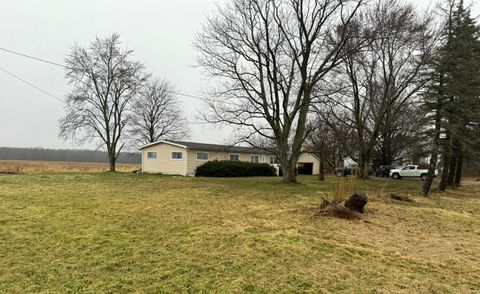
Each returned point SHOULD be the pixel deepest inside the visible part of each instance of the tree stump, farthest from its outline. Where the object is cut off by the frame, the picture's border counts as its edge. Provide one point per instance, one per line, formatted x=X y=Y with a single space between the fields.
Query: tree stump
x=400 y=198
x=331 y=208
x=357 y=201
x=325 y=203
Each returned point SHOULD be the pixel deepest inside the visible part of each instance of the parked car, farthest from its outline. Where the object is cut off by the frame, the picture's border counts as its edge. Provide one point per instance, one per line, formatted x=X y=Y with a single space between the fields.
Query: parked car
x=411 y=171
x=384 y=171
x=343 y=171
x=346 y=171
x=349 y=170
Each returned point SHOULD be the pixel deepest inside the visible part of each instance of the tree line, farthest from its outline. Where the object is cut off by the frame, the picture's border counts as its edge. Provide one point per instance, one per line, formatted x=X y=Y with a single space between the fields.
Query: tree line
x=377 y=81
x=65 y=155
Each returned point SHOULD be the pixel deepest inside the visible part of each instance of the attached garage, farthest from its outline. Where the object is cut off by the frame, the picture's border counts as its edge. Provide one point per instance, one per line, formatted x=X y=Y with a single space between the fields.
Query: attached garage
x=305 y=168
x=308 y=164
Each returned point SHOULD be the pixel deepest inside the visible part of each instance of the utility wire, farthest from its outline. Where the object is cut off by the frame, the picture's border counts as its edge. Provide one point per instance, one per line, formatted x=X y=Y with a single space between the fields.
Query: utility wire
x=32 y=57
x=64 y=66
x=190 y=96
x=31 y=85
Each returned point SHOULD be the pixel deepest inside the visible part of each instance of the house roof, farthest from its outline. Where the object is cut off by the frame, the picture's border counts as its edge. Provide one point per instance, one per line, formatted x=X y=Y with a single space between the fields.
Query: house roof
x=210 y=147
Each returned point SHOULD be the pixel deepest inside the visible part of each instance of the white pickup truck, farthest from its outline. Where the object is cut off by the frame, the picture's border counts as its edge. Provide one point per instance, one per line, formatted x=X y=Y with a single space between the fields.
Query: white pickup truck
x=410 y=171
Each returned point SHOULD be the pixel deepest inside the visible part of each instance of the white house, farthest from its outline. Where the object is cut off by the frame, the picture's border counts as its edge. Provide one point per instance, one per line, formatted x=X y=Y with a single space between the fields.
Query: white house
x=182 y=158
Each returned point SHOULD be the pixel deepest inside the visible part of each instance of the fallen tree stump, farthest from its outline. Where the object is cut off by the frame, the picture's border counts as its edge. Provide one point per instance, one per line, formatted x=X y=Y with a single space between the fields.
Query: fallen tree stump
x=357 y=201
x=400 y=198
x=332 y=208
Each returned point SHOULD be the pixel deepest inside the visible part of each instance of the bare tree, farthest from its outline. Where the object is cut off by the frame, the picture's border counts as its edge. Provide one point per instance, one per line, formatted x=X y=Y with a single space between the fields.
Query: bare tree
x=322 y=142
x=105 y=81
x=157 y=114
x=267 y=57
x=380 y=78
x=399 y=135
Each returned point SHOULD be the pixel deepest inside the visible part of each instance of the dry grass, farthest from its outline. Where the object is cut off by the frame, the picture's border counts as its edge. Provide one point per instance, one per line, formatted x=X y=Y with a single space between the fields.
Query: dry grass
x=344 y=188
x=122 y=233
x=10 y=168
x=19 y=166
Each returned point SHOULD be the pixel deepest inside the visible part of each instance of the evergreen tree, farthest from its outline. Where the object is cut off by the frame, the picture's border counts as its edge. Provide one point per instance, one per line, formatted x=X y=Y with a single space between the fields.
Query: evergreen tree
x=453 y=97
x=462 y=89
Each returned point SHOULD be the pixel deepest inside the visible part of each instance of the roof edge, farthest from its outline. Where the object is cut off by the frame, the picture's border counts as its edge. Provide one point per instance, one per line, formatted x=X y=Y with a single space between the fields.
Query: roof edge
x=163 y=141
x=315 y=155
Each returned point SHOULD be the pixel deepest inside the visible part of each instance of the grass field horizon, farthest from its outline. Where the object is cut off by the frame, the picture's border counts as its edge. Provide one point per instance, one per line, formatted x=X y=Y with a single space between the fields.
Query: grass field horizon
x=123 y=232
x=39 y=166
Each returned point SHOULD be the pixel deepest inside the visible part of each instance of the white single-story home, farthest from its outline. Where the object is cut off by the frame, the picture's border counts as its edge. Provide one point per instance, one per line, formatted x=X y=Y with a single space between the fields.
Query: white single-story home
x=182 y=158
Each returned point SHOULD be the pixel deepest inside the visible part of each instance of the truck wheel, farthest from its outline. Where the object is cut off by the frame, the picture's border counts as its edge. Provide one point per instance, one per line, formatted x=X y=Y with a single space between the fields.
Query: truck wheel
x=340 y=174
x=396 y=176
x=423 y=177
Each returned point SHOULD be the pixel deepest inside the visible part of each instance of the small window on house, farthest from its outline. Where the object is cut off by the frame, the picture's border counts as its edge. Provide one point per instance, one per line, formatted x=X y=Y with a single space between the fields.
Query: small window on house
x=234 y=157
x=177 y=155
x=152 y=155
x=202 y=155
x=254 y=158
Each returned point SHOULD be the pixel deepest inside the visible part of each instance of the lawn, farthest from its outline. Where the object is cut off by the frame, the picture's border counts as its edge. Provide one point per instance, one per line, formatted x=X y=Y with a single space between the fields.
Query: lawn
x=103 y=232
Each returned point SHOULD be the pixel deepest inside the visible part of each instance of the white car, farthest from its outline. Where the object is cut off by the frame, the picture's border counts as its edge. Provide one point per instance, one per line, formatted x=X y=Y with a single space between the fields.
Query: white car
x=410 y=171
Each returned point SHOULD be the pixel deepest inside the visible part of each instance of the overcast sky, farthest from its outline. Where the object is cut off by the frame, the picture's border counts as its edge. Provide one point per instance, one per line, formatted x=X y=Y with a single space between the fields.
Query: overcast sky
x=159 y=31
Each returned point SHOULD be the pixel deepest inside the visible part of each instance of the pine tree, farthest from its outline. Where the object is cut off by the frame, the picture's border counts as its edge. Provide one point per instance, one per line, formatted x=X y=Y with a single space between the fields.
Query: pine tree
x=462 y=90
x=453 y=97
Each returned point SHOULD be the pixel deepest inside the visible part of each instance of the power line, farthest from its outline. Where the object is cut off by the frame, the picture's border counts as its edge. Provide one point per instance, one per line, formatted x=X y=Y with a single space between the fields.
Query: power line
x=33 y=57
x=190 y=96
x=31 y=85
x=64 y=66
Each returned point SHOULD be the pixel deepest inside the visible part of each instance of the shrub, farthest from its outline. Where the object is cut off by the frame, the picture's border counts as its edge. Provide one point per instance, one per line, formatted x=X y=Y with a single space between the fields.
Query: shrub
x=216 y=168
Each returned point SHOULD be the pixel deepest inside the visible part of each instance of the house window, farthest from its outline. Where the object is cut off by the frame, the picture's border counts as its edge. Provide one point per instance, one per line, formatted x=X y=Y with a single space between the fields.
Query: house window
x=234 y=157
x=274 y=160
x=254 y=158
x=177 y=155
x=152 y=155
x=202 y=155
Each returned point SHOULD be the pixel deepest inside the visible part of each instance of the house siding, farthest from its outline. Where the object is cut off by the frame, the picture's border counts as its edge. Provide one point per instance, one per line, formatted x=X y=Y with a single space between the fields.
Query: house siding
x=164 y=162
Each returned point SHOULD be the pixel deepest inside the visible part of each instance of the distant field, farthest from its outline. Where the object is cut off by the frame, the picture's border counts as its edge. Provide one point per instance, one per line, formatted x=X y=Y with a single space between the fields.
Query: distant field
x=56 y=166
x=124 y=232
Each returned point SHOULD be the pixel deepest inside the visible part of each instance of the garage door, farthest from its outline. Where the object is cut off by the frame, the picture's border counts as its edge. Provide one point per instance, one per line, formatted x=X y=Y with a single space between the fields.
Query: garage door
x=305 y=168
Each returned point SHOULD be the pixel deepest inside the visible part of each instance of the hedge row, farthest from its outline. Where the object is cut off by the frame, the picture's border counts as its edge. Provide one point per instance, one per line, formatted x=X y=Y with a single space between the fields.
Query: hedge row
x=217 y=168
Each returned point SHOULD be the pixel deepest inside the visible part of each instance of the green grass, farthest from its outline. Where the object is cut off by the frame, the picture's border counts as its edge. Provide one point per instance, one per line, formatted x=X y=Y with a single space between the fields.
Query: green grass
x=102 y=232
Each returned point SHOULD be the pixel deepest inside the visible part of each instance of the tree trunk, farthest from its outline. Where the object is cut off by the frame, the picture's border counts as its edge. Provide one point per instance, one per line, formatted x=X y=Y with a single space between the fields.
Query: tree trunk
x=111 y=160
x=364 y=167
x=322 y=169
x=430 y=174
x=288 y=161
x=459 y=170
x=446 y=164
x=452 y=167
x=289 y=173
x=427 y=184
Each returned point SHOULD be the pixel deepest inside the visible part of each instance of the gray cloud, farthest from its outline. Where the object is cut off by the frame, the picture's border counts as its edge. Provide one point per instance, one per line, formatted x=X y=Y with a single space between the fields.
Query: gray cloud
x=160 y=32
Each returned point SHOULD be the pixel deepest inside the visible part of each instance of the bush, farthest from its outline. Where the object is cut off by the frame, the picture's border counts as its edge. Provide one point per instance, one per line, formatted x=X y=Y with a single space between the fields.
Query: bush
x=217 y=168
